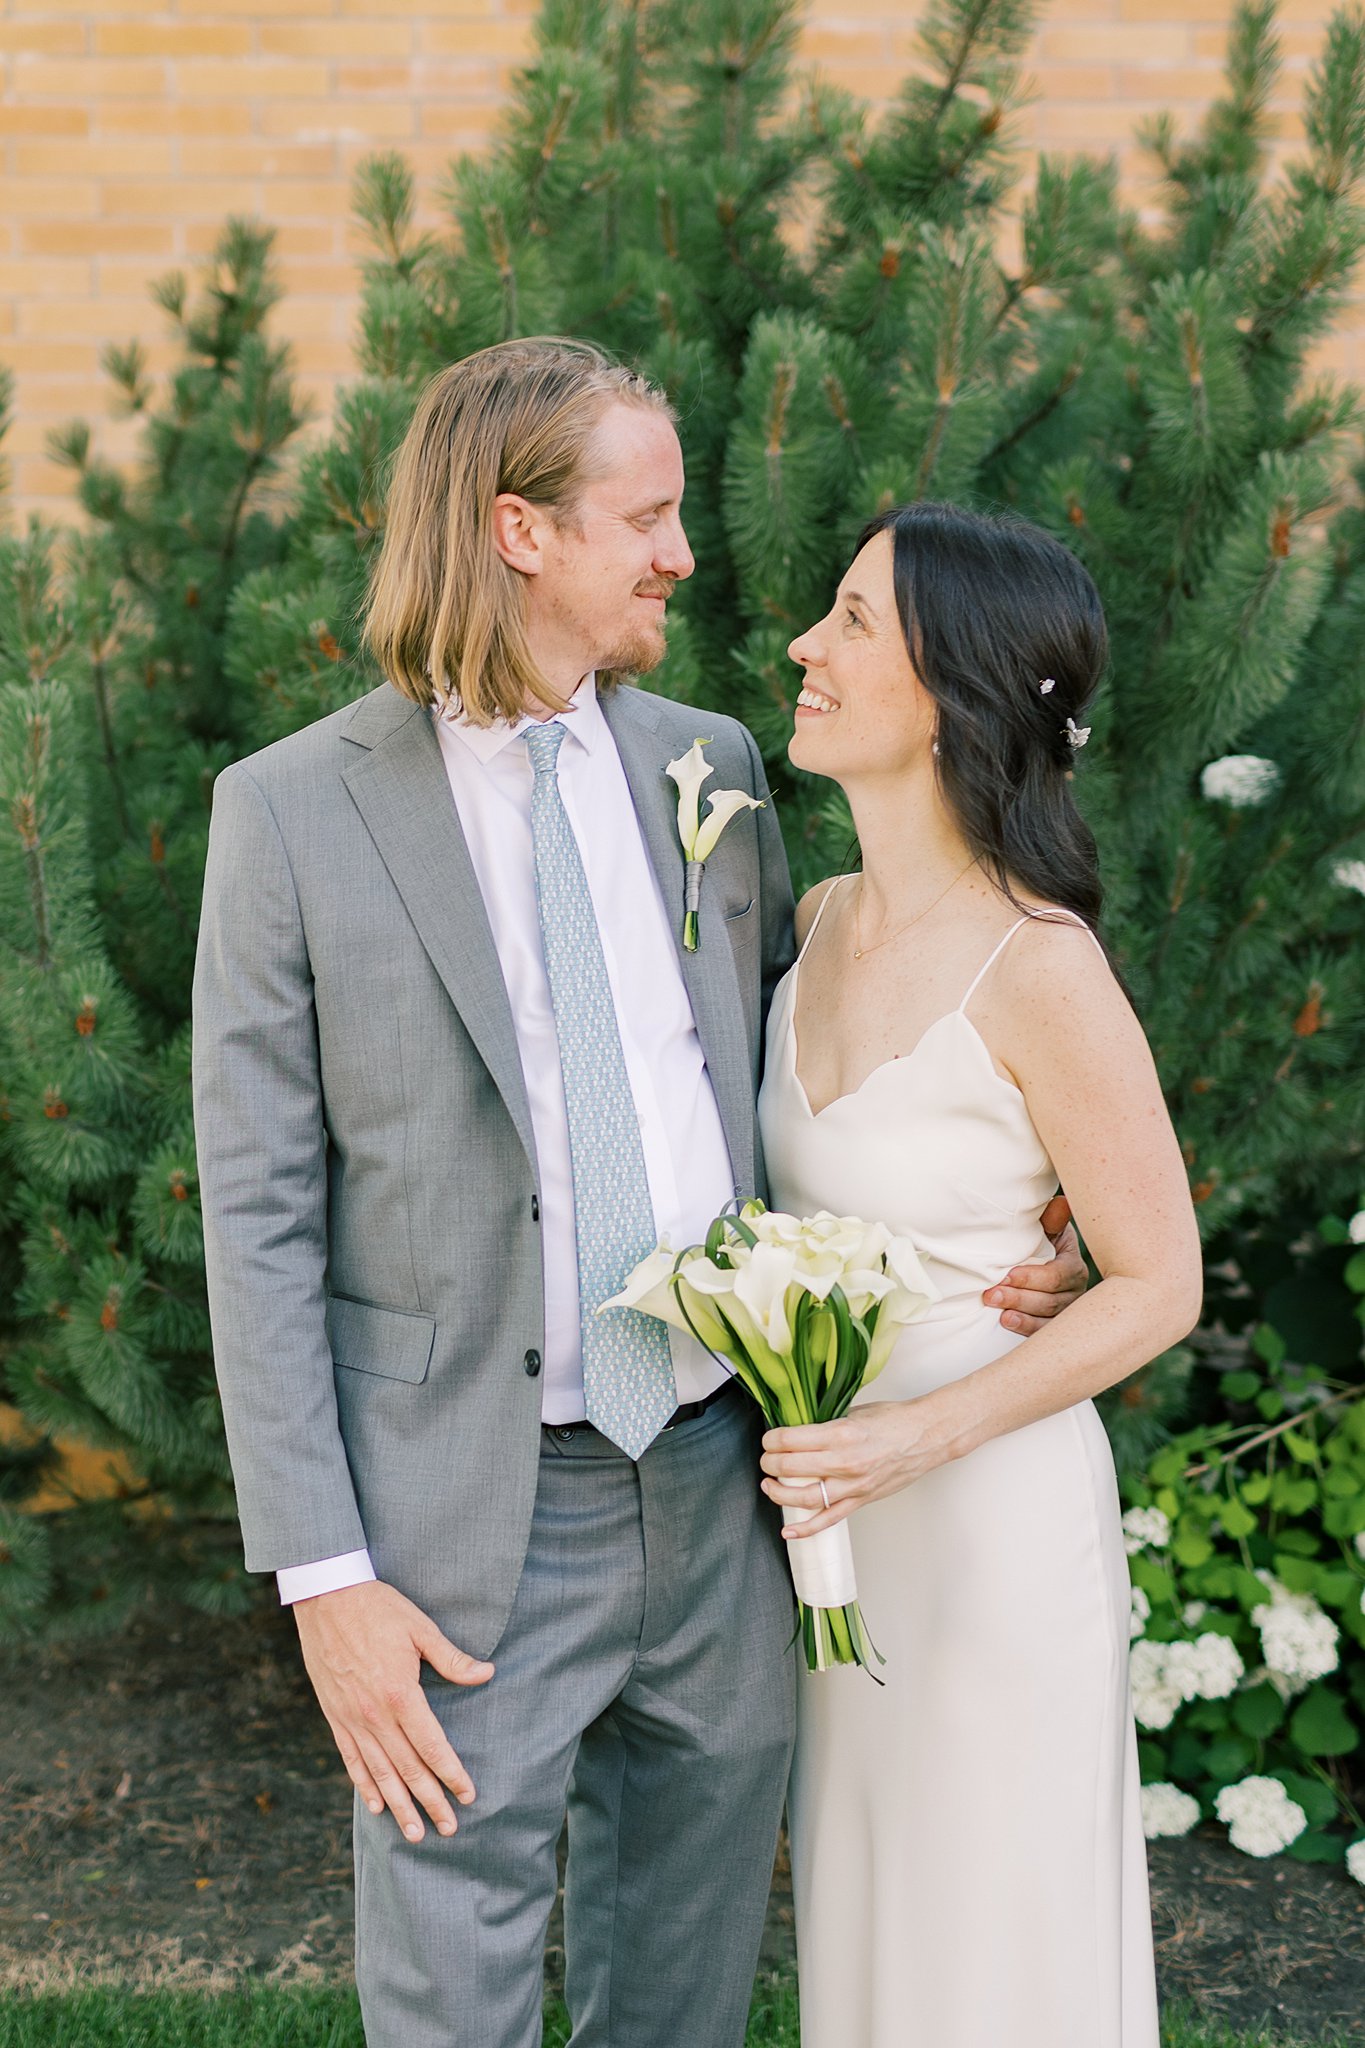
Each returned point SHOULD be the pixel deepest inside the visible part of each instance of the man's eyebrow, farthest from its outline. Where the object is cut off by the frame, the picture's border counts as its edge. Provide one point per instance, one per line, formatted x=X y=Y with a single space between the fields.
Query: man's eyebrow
x=661 y=505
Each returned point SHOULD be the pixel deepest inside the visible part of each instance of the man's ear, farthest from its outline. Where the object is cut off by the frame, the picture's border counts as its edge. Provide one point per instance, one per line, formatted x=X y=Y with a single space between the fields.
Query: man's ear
x=517 y=527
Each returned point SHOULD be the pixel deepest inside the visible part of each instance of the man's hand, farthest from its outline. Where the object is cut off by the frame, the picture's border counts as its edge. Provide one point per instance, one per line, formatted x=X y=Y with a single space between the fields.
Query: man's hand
x=1031 y=1295
x=363 y=1647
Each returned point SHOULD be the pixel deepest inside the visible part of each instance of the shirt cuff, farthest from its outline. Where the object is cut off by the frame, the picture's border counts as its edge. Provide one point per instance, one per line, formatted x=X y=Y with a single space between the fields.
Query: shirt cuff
x=328 y=1575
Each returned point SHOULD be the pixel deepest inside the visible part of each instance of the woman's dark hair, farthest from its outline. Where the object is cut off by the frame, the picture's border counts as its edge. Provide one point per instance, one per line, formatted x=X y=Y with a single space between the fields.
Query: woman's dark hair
x=992 y=608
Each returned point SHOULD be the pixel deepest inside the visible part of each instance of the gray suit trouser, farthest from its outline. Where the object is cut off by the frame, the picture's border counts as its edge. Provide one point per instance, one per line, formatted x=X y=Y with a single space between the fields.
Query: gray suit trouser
x=646 y=1683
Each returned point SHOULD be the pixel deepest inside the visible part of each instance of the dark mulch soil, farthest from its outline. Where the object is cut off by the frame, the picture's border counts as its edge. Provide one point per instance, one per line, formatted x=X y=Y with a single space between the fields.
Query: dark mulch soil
x=174 y=1812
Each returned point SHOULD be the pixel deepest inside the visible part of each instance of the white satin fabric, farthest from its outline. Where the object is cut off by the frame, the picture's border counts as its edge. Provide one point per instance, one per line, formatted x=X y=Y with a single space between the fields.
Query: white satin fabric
x=968 y=1859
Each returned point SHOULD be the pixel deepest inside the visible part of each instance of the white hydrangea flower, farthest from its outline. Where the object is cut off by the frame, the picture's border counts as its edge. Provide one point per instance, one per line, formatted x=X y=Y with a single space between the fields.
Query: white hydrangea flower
x=1355 y=1229
x=1207 y=1669
x=1350 y=874
x=1140 y=1612
x=1142 y=1526
x=1193 y=1612
x=1155 y=1699
x=1239 y=780
x=1298 y=1641
x=1355 y=1860
x=1166 y=1810
x=1260 y=1817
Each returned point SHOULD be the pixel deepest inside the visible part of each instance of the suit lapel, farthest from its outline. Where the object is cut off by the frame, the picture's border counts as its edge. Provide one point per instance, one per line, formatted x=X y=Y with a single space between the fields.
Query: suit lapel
x=398 y=783
x=708 y=974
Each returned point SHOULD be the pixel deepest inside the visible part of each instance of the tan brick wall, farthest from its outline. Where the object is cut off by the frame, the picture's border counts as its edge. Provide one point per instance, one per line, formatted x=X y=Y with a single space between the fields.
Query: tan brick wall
x=130 y=128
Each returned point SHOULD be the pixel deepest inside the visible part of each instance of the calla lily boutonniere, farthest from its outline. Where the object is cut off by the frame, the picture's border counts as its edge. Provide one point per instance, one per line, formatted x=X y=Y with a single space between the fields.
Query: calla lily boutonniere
x=699 y=835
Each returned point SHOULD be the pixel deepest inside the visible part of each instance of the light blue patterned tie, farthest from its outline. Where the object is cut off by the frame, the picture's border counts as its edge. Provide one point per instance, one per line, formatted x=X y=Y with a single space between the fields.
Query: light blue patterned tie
x=628 y=1382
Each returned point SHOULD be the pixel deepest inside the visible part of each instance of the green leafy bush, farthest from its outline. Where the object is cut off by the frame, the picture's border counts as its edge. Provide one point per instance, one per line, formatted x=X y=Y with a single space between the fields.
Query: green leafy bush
x=1247 y=1541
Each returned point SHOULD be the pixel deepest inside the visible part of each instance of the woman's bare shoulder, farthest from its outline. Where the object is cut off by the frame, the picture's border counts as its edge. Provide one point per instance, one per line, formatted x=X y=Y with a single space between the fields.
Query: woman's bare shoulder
x=809 y=905
x=1056 y=977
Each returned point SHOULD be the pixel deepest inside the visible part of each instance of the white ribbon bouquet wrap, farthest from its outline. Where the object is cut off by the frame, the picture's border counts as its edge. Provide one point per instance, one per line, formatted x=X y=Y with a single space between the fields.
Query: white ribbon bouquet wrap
x=804 y=1311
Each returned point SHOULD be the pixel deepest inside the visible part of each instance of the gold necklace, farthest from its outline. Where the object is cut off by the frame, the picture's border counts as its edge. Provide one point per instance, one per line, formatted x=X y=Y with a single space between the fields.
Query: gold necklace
x=859 y=950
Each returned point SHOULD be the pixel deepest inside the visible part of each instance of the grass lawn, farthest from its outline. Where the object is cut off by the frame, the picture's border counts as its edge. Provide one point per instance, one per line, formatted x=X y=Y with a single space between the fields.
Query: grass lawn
x=266 y=2017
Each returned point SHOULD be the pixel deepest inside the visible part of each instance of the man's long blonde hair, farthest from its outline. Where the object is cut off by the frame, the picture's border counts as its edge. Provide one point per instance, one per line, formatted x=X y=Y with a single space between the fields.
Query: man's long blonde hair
x=446 y=616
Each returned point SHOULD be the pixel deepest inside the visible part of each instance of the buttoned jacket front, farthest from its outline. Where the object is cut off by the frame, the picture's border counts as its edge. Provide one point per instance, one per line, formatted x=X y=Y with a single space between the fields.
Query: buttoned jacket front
x=367 y=1163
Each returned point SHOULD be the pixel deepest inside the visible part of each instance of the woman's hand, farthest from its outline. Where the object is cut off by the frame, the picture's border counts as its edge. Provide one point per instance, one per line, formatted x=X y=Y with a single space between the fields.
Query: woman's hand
x=874 y=1450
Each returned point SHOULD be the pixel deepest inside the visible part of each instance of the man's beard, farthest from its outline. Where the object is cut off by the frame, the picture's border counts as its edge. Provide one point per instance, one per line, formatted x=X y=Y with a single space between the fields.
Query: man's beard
x=634 y=654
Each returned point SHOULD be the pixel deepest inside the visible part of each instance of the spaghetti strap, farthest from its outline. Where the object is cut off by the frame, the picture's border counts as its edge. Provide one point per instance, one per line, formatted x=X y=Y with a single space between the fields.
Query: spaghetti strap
x=982 y=972
x=1046 y=910
x=819 y=913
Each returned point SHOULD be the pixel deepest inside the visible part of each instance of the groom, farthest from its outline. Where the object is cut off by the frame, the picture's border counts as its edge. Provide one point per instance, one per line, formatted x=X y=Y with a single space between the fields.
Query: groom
x=454 y=1072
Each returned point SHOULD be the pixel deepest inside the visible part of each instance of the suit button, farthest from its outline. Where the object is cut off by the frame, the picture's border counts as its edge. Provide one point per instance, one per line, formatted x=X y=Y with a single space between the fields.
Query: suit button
x=532 y=1363
x=535 y=1208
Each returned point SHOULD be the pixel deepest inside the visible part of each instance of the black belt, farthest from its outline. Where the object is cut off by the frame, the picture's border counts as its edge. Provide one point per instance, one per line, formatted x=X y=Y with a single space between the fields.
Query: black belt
x=686 y=1411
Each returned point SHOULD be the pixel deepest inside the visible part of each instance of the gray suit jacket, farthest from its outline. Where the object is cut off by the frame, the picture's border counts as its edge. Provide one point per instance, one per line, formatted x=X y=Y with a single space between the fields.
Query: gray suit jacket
x=366 y=1159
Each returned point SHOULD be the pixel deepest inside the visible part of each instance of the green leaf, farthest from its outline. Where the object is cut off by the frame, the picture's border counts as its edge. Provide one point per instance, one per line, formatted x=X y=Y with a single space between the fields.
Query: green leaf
x=1250 y=1591
x=1236 y=1519
x=1187 y=1755
x=1227 y=1760
x=1301 y=1448
x=1320 y=1724
x=1168 y=1465
x=1155 y=1581
x=1256 y=1488
x=1344 y=1517
x=1354 y=1275
x=1338 y=1586
x=1269 y=1345
x=1270 y=1405
x=1302 y=1542
x=1239 y=1386
x=1259 y=1712
x=1318 y=1801
x=1151 y=1761
x=1297 y=1573
x=1192 y=1547
x=1293 y=1495
x=1315 y=1845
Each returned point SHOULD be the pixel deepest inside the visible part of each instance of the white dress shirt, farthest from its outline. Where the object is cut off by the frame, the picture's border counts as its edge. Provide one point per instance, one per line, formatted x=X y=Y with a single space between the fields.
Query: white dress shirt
x=687 y=1160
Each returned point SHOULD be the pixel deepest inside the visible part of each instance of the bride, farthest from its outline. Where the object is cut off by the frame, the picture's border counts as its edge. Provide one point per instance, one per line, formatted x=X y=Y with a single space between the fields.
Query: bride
x=968 y=1858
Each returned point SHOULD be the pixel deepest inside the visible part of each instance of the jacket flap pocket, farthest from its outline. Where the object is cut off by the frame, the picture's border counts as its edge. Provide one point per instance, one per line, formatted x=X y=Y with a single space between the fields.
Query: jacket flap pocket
x=393 y=1342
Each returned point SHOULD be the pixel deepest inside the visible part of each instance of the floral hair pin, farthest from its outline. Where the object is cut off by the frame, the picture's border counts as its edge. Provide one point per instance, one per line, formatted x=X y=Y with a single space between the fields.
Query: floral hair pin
x=1077 y=735
x=1048 y=685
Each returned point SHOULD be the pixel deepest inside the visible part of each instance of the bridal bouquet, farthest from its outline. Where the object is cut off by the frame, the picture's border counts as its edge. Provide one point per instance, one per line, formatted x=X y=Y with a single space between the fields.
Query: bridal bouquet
x=803 y=1310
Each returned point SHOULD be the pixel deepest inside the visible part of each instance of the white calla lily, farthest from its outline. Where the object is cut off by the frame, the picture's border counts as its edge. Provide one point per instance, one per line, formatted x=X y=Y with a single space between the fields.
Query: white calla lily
x=689 y=771
x=725 y=805
x=653 y=1289
x=806 y=1310
x=905 y=1262
x=761 y=1286
x=699 y=838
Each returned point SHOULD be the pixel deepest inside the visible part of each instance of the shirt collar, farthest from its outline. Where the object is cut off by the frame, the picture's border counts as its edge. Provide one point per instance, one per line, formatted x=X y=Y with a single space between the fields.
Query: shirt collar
x=582 y=721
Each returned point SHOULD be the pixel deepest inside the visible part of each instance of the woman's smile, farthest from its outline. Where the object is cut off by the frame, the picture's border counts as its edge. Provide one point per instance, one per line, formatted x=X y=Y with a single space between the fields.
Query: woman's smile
x=813 y=703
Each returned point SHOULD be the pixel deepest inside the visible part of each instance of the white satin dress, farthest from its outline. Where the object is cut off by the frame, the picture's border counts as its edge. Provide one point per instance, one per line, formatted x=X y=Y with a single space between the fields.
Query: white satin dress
x=969 y=1869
